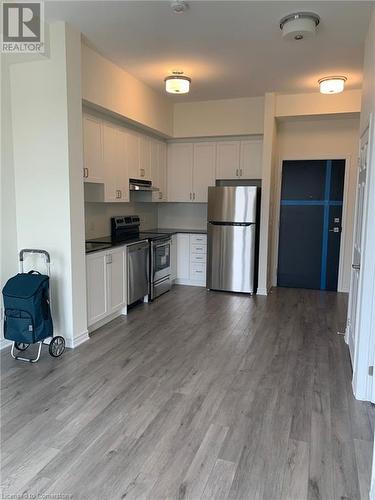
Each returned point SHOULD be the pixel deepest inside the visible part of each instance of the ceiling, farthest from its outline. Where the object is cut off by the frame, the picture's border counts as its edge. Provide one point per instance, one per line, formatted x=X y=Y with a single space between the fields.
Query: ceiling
x=229 y=48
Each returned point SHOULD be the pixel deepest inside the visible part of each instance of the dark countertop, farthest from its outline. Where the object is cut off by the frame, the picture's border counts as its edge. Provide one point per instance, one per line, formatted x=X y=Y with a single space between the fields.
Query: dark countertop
x=104 y=243
x=177 y=230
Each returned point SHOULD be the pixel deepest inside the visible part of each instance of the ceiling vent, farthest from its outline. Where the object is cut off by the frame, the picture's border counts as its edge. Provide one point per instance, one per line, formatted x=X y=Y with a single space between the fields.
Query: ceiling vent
x=299 y=25
x=179 y=6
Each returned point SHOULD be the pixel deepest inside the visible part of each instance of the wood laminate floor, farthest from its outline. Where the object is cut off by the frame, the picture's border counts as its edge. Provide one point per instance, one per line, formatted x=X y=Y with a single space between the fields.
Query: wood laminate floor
x=199 y=395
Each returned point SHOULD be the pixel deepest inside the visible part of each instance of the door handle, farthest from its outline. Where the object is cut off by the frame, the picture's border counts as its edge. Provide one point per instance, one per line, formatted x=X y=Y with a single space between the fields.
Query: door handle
x=334 y=230
x=356 y=267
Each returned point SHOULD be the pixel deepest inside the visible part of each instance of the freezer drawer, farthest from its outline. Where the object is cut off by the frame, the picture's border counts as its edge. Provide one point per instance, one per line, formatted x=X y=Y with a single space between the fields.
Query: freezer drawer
x=230 y=258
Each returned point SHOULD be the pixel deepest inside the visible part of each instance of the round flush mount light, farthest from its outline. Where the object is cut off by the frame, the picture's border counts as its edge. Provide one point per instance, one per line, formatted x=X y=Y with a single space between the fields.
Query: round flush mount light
x=177 y=83
x=332 y=84
x=299 y=25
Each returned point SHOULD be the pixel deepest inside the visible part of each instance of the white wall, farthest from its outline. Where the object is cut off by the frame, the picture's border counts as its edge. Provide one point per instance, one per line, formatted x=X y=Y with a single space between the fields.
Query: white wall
x=47 y=145
x=321 y=138
x=242 y=116
x=97 y=216
x=182 y=215
x=368 y=95
x=109 y=87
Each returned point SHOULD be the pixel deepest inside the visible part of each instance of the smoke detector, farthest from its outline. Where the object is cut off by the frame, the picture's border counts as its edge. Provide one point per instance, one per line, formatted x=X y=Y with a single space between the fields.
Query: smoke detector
x=179 y=6
x=299 y=25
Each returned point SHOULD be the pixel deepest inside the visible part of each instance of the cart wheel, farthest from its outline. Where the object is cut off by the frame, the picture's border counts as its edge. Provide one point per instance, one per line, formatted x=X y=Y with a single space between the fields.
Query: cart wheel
x=21 y=346
x=57 y=346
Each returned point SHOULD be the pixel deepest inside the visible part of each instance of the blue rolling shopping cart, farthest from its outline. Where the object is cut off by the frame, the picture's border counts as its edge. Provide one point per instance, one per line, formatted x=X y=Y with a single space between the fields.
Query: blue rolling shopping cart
x=27 y=308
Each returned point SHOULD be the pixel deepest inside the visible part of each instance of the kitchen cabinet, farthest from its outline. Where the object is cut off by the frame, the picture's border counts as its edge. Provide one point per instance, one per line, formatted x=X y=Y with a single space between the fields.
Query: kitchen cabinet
x=179 y=168
x=183 y=257
x=251 y=159
x=159 y=170
x=191 y=169
x=144 y=158
x=191 y=259
x=93 y=170
x=132 y=149
x=203 y=170
x=116 y=179
x=227 y=159
x=174 y=257
x=106 y=283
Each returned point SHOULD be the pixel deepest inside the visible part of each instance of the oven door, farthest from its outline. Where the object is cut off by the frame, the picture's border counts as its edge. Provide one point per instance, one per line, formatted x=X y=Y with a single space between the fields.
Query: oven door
x=161 y=259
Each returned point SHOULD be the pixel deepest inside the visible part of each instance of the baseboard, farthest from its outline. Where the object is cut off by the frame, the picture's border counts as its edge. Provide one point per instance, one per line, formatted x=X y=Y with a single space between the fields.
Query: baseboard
x=106 y=320
x=76 y=341
x=262 y=291
x=5 y=343
x=189 y=283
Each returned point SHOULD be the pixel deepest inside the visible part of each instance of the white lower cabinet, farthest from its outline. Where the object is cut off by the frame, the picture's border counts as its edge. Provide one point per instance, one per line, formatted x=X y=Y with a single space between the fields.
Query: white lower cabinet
x=174 y=257
x=191 y=259
x=106 y=283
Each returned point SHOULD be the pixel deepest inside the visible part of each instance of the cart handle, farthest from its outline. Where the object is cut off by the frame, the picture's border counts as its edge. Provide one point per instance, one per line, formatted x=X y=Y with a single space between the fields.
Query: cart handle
x=34 y=250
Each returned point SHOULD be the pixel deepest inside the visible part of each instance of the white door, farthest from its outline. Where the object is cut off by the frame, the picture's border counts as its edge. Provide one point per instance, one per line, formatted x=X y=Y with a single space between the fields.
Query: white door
x=180 y=172
x=357 y=247
x=227 y=159
x=116 y=279
x=251 y=159
x=145 y=158
x=115 y=186
x=92 y=150
x=183 y=256
x=97 y=287
x=203 y=170
x=132 y=153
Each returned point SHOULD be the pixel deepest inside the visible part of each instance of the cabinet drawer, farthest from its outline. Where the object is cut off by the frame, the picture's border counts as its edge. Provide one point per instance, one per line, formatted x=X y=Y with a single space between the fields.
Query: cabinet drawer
x=198 y=272
x=198 y=239
x=202 y=249
x=198 y=257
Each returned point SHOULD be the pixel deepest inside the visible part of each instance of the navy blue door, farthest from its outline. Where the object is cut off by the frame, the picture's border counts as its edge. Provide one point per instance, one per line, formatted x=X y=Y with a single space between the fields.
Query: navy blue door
x=310 y=223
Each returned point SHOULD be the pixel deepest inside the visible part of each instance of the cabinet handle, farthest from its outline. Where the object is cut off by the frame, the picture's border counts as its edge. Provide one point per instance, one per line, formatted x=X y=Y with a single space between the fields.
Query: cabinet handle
x=190 y=196
x=236 y=172
x=142 y=172
x=193 y=196
x=87 y=172
x=160 y=195
x=119 y=193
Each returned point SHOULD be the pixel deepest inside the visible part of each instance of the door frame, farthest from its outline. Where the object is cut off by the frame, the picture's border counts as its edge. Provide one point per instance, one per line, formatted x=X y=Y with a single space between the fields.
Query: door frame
x=276 y=210
x=364 y=353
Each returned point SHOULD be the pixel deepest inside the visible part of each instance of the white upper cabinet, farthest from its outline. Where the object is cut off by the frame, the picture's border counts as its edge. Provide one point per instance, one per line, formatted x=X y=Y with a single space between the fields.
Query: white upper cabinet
x=159 y=169
x=92 y=150
x=203 y=170
x=180 y=170
x=116 y=186
x=144 y=158
x=251 y=159
x=132 y=147
x=228 y=159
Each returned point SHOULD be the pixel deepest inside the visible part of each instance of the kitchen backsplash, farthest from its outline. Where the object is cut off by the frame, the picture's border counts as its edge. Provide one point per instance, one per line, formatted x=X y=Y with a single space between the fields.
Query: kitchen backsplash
x=98 y=215
x=182 y=215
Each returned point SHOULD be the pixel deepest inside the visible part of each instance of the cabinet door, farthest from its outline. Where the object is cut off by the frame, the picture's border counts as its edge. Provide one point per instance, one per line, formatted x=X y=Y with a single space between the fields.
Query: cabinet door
x=116 y=279
x=115 y=187
x=162 y=156
x=183 y=256
x=203 y=170
x=132 y=145
x=251 y=159
x=180 y=171
x=227 y=159
x=174 y=257
x=97 y=287
x=155 y=168
x=92 y=149
x=145 y=158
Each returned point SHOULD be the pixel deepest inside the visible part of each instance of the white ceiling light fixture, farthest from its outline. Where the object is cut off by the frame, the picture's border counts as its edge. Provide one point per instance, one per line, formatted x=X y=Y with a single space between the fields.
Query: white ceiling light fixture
x=332 y=84
x=177 y=83
x=299 y=25
x=179 y=6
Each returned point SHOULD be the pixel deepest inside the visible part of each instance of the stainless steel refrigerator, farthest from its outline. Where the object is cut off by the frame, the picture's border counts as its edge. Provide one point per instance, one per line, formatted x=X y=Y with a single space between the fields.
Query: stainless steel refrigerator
x=231 y=231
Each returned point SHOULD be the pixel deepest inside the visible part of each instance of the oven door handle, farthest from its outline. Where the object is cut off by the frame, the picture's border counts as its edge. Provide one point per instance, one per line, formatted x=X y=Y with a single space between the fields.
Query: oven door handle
x=161 y=245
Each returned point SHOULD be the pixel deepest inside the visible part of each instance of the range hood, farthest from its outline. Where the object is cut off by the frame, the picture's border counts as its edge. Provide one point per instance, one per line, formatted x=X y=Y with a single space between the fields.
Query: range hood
x=141 y=185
